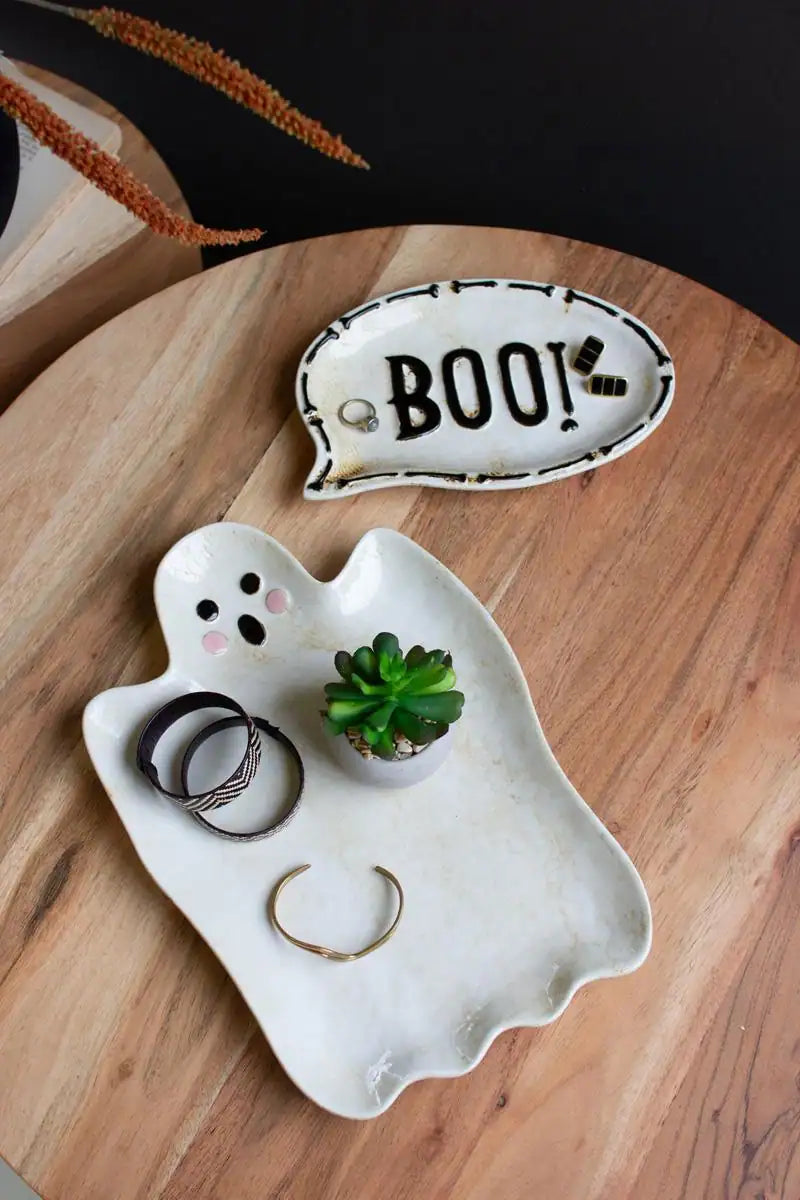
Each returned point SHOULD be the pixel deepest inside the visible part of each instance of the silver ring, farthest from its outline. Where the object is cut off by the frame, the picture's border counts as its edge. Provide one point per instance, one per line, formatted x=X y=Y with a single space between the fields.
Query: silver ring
x=367 y=424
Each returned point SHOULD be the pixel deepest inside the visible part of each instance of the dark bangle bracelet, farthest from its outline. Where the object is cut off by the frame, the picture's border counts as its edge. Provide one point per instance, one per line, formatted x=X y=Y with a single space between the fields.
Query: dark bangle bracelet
x=158 y=725
x=271 y=731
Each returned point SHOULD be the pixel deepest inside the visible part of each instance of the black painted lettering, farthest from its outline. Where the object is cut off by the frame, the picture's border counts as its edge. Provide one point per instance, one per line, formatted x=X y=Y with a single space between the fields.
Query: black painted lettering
x=504 y=356
x=557 y=350
x=406 y=370
x=484 y=411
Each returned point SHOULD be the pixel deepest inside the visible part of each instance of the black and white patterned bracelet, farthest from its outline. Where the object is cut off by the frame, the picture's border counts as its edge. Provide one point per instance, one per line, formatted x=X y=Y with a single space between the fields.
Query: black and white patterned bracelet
x=293 y=802
x=161 y=721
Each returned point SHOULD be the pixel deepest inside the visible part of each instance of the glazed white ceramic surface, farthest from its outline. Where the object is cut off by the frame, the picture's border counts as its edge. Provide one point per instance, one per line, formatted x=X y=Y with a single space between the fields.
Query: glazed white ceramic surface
x=516 y=895
x=351 y=360
x=401 y=773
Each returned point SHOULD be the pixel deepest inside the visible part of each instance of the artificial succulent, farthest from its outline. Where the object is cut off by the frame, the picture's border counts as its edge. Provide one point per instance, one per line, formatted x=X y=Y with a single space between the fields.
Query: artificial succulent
x=386 y=697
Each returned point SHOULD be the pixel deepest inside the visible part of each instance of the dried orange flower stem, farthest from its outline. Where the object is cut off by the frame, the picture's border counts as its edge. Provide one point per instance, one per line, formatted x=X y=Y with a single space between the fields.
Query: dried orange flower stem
x=213 y=67
x=108 y=173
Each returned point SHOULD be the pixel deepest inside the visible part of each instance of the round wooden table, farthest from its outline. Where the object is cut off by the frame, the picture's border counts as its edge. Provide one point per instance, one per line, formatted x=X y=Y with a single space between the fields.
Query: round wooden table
x=654 y=605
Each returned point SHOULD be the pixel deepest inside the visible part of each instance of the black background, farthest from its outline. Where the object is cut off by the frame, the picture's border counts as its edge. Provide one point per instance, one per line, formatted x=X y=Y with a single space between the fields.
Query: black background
x=670 y=131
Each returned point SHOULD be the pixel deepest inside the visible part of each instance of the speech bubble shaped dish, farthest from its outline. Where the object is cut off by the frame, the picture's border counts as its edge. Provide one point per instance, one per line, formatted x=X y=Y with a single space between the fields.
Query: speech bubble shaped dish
x=515 y=893
x=478 y=384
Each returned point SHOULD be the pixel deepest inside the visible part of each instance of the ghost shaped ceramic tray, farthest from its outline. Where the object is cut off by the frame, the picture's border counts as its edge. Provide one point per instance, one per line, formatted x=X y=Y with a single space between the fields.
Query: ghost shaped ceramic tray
x=478 y=384
x=515 y=893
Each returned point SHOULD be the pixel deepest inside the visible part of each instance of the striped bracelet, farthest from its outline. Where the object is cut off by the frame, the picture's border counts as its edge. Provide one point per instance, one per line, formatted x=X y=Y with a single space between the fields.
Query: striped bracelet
x=161 y=721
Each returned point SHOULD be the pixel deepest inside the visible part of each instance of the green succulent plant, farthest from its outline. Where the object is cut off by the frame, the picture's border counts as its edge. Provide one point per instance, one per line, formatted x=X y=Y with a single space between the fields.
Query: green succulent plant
x=383 y=692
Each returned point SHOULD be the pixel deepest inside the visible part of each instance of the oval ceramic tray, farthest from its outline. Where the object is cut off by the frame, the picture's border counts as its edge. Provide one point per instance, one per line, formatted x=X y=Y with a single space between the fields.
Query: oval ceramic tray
x=515 y=893
x=473 y=384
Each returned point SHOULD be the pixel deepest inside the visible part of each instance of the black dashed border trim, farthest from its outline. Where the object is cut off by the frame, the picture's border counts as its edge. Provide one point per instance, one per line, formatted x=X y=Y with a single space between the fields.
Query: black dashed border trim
x=547 y=288
x=666 y=388
x=317 y=423
x=590 y=457
x=452 y=476
x=461 y=285
x=347 y=321
x=644 y=334
x=328 y=335
x=433 y=290
x=606 y=450
x=494 y=475
x=570 y=295
x=308 y=407
x=317 y=484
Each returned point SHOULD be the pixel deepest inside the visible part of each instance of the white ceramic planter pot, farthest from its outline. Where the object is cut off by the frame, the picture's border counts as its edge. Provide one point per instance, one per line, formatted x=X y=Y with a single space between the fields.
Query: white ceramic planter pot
x=398 y=773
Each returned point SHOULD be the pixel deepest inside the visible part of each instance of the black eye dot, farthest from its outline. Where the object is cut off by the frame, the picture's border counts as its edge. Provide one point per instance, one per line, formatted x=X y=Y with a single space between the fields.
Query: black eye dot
x=250 y=583
x=252 y=630
x=207 y=610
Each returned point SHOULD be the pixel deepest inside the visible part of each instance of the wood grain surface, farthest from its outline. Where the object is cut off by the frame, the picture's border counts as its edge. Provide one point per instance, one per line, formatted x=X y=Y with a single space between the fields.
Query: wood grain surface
x=654 y=605
x=95 y=261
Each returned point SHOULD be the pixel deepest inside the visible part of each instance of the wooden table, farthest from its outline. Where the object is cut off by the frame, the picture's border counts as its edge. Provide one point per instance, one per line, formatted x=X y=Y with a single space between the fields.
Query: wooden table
x=654 y=605
x=96 y=261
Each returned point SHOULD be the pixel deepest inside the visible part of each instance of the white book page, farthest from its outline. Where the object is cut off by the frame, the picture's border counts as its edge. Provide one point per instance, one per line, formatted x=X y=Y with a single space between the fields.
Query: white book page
x=46 y=183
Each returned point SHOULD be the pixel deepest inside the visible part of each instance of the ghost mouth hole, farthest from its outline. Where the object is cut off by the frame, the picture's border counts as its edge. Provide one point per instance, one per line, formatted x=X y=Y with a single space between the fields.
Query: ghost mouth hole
x=252 y=630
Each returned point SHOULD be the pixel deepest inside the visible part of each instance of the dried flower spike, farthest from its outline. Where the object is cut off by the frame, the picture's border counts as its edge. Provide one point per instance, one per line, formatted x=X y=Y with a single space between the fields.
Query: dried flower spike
x=213 y=67
x=107 y=173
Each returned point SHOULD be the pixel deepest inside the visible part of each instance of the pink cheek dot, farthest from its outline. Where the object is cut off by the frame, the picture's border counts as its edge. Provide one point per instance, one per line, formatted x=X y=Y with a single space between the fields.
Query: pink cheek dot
x=277 y=601
x=215 y=643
